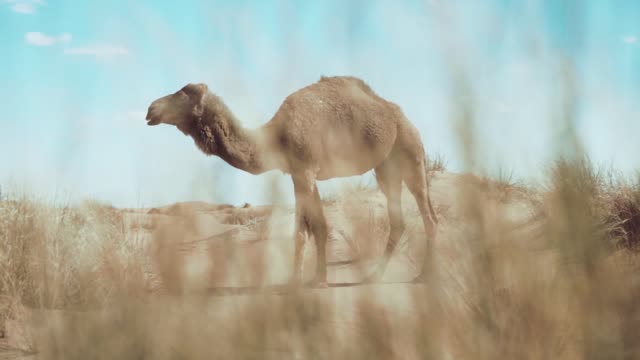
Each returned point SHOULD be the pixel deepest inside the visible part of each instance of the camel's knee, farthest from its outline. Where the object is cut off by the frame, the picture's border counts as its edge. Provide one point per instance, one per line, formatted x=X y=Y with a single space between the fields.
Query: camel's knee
x=430 y=229
x=300 y=237
x=397 y=226
x=396 y=229
x=320 y=232
x=395 y=233
x=421 y=194
x=429 y=215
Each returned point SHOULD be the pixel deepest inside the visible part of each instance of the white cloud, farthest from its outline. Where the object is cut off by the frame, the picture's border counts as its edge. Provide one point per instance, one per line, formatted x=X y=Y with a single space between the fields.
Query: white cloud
x=40 y=39
x=25 y=6
x=630 y=39
x=99 y=51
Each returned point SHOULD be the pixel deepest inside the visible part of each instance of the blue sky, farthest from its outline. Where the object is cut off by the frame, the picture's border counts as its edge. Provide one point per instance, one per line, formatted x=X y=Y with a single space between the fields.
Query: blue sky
x=77 y=77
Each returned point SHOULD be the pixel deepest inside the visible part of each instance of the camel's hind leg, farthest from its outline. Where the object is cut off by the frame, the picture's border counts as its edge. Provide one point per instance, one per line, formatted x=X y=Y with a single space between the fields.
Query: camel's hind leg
x=390 y=182
x=415 y=177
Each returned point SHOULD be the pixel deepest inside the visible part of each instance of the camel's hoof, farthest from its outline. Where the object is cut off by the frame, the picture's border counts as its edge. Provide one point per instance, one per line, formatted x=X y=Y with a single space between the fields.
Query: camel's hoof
x=317 y=284
x=295 y=282
x=420 y=279
x=374 y=277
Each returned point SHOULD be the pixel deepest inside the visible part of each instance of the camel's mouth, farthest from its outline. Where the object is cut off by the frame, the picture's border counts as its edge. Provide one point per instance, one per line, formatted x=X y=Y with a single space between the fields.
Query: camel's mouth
x=153 y=121
x=153 y=118
x=154 y=115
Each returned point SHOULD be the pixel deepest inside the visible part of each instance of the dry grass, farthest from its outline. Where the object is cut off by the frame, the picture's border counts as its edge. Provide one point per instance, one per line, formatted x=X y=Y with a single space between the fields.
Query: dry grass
x=557 y=292
x=436 y=163
x=246 y=215
x=613 y=205
x=56 y=257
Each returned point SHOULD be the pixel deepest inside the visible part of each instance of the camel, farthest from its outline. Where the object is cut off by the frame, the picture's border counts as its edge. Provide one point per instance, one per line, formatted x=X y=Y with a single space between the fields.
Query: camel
x=335 y=127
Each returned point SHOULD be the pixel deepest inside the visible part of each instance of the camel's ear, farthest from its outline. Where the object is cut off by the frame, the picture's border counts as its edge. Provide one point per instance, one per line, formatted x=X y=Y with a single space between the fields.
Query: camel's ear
x=199 y=93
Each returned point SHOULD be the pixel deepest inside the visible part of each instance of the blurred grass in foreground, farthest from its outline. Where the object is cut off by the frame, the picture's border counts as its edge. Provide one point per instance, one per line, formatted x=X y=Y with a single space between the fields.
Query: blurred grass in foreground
x=568 y=288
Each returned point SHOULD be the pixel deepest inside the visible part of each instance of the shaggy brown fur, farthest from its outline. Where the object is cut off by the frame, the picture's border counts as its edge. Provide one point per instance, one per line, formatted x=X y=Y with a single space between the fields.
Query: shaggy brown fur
x=336 y=127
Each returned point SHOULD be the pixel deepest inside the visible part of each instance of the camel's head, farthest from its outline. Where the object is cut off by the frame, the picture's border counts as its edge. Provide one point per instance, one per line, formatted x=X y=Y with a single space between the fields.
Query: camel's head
x=180 y=108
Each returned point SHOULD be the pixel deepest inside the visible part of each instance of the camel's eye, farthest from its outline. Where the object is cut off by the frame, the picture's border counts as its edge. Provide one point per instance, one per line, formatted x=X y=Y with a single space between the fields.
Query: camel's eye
x=191 y=91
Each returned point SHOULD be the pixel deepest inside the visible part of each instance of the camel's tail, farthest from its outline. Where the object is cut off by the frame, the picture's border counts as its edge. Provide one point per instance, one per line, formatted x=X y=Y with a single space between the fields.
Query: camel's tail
x=426 y=177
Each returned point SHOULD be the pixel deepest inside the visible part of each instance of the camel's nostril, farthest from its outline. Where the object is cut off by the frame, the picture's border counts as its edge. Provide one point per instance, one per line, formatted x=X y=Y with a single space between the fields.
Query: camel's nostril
x=153 y=116
x=150 y=112
x=153 y=111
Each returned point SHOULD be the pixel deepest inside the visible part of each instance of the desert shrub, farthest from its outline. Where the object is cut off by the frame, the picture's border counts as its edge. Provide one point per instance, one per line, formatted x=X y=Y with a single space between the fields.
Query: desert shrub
x=245 y=215
x=590 y=211
x=609 y=202
x=621 y=205
x=502 y=186
x=369 y=231
x=362 y=184
x=65 y=256
x=436 y=163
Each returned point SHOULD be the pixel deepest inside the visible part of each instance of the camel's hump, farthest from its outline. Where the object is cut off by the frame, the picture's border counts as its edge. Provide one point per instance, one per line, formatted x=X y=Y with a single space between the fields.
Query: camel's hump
x=343 y=80
x=330 y=93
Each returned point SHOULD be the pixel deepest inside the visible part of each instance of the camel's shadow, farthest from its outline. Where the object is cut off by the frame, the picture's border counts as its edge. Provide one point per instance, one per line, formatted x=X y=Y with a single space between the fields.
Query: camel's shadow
x=283 y=289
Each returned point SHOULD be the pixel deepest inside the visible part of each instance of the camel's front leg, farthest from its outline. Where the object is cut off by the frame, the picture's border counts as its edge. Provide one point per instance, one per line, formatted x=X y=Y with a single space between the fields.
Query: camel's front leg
x=320 y=231
x=309 y=218
x=390 y=183
x=300 y=235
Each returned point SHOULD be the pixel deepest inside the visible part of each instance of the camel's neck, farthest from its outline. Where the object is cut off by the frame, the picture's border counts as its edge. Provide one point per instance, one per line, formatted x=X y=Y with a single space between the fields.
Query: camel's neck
x=219 y=133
